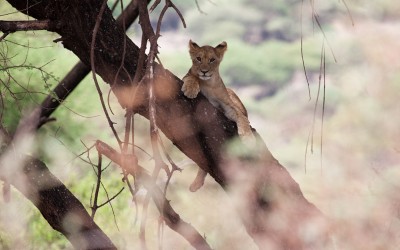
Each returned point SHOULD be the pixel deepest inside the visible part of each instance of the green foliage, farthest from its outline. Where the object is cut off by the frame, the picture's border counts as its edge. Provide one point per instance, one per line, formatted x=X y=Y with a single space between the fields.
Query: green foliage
x=4 y=241
x=27 y=76
x=269 y=63
x=176 y=62
x=42 y=235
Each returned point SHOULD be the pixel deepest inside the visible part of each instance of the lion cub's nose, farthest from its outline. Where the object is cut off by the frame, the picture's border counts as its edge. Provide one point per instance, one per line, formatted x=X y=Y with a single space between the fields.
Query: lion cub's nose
x=204 y=71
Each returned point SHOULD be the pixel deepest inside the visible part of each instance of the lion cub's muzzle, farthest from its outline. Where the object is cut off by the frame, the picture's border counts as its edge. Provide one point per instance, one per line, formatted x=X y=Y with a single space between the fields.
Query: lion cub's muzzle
x=205 y=75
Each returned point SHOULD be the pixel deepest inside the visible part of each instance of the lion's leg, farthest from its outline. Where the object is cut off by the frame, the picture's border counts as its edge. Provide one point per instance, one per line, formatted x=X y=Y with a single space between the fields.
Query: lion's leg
x=230 y=112
x=235 y=114
x=191 y=86
x=198 y=181
x=243 y=124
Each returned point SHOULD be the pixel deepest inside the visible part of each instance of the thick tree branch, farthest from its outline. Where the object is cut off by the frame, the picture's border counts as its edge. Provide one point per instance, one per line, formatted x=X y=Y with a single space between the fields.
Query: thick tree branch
x=60 y=207
x=81 y=70
x=64 y=88
x=55 y=202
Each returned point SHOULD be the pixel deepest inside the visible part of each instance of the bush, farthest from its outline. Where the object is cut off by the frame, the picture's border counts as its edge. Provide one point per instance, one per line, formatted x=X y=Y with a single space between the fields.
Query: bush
x=271 y=63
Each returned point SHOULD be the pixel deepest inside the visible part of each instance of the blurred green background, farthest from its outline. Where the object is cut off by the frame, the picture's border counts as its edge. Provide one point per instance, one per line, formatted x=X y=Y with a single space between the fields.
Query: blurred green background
x=353 y=180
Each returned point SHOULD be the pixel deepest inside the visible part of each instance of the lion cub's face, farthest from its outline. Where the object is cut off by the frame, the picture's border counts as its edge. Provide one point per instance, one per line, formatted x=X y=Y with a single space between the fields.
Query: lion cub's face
x=206 y=59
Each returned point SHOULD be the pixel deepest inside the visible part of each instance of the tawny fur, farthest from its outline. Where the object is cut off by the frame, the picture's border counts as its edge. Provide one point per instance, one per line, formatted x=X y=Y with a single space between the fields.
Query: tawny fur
x=204 y=77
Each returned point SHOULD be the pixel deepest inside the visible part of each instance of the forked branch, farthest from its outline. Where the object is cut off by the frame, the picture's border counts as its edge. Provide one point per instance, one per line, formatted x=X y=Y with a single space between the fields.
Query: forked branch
x=129 y=164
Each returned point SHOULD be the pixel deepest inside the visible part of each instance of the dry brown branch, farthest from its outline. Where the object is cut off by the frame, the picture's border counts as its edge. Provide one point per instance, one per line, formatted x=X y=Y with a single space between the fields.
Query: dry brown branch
x=94 y=206
x=152 y=37
x=128 y=131
x=94 y=197
x=129 y=163
x=155 y=4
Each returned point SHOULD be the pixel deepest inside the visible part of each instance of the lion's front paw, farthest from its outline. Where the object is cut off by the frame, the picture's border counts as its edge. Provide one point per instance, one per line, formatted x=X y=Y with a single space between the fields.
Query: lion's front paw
x=190 y=89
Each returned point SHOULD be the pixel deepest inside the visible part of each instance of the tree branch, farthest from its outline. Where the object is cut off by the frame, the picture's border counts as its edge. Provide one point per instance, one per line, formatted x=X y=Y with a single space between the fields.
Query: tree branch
x=129 y=164
x=60 y=207
x=81 y=70
x=55 y=202
x=13 y=26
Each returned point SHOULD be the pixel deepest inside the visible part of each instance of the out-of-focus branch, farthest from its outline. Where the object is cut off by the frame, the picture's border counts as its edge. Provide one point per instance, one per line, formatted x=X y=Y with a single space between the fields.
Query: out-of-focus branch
x=129 y=164
x=49 y=194
x=56 y=203
x=149 y=35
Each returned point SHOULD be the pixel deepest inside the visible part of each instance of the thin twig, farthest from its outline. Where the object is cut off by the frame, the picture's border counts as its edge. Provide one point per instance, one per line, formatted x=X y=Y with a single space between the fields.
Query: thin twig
x=4 y=36
x=92 y=64
x=128 y=118
x=171 y=218
x=323 y=108
x=198 y=7
x=173 y=165
x=318 y=94
x=114 y=6
x=110 y=199
x=349 y=12
x=171 y=4
x=97 y=189
x=326 y=39
x=301 y=50
x=155 y=4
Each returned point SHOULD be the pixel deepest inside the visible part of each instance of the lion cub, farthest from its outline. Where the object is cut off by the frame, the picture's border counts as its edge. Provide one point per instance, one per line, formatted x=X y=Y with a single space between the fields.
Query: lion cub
x=204 y=77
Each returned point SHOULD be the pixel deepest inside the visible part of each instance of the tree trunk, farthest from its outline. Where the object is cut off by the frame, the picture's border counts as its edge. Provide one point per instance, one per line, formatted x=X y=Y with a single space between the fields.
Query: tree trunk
x=272 y=206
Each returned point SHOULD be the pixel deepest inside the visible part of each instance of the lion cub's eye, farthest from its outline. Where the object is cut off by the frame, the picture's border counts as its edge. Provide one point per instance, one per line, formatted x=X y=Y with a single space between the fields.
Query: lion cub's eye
x=212 y=60
x=198 y=59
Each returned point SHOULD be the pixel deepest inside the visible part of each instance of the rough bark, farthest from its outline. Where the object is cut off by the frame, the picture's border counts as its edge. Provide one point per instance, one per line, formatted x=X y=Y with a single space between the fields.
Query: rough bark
x=63 y=211
x=200 y=131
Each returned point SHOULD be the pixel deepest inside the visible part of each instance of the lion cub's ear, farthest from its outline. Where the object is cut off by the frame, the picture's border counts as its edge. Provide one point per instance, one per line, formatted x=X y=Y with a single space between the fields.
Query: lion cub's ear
x=193 y=46
x=221 y=48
